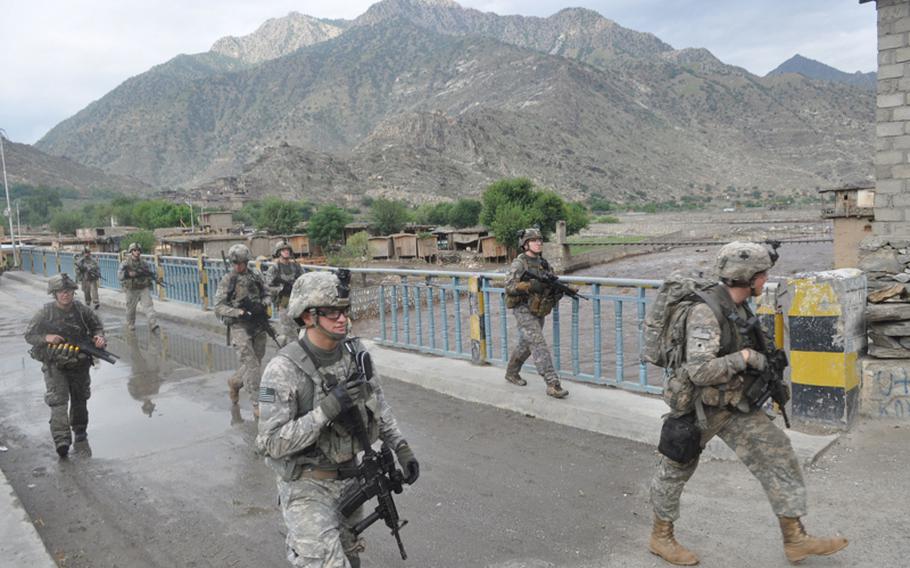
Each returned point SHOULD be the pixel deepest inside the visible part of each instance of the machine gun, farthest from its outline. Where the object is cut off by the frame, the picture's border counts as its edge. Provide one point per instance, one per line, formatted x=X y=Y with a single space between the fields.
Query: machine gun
x=377 y=475
x=552 y=281
x=768 y=383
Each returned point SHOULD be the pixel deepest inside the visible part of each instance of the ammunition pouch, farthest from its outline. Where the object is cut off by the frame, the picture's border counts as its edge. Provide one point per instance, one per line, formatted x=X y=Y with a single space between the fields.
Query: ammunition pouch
x=680 y=438
x=541 y=305
x=513 y=301
x=64 y=356
x=679 y=392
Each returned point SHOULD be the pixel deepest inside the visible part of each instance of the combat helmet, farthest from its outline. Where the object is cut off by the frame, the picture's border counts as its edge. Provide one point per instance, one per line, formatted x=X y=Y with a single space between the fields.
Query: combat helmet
x=280 y=246
x=319 y=290
x=239 y=253
x=529 y=234
x=134 y=246
x=59 y=282
x=738 y=262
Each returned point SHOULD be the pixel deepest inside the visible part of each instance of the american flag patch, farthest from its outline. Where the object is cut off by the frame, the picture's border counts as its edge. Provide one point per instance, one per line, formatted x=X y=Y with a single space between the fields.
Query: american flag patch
x=266 y=394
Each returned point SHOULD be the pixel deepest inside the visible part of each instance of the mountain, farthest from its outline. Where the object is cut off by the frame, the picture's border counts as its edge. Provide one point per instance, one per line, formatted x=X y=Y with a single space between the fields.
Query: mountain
x=817 y=70
x=27 y=165
x=423 y=99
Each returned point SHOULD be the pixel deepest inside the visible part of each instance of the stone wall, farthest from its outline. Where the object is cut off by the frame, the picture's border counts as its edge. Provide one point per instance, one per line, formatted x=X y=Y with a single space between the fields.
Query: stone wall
x=886 y=262
x=892 y=156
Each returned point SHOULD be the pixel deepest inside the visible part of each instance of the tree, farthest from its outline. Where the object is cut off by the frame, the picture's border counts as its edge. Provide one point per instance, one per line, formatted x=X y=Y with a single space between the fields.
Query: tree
x=145 y=239
x=388 y=216
x=576 y=217
x=464 y=213
x=278 y=216
x=156 y=213
x=66 y=222
x=518 y=191
x=510 y=219
x=546 y=209
x=326 y=226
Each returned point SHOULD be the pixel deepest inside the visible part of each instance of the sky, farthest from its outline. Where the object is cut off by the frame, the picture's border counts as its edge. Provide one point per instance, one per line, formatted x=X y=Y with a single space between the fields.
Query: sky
x=58 y=56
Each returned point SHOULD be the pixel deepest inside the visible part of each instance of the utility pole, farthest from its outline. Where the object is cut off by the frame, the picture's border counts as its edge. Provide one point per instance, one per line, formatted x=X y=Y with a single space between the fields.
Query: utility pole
x=9 y=209
x=18 y=223
x=192 y=222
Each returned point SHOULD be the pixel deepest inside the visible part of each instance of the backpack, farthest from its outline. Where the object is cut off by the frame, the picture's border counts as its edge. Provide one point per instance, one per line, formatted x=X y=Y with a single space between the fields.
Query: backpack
x=665 y=335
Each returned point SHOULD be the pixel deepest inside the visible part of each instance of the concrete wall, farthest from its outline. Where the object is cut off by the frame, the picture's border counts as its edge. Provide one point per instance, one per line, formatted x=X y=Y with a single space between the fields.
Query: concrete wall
x=886 y=389
x=892 y=156
x=848 y=232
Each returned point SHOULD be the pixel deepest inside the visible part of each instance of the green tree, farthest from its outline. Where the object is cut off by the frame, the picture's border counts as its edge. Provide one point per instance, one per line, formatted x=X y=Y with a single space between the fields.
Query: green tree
x=326 y=226
x=66 y=222
x=39 y=204
x=577 y=218
x=510 y=219
x=146 y=240
x=546 y=209
x=155 y=213
x=278 y=216
x=517 y=191
x=388 y=216
x=464 y=213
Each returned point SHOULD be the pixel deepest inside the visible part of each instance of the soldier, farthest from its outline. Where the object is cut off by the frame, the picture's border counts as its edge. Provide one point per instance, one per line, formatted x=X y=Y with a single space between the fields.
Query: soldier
x=88 y=273
x=242 y=296
x=304 y=390
x=280 y=277
x=531 y=300
x=716 y=362
x=136 y=277
x=66 y=369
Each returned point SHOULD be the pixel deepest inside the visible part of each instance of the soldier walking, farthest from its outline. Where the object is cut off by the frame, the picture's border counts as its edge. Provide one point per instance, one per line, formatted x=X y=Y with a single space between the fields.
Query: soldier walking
x=88 y=273
x=280 y=277
x=305 y=395
x=136 y=277
x=241 y=302
x=51 y=333
x=718 y=368
x=531 y=301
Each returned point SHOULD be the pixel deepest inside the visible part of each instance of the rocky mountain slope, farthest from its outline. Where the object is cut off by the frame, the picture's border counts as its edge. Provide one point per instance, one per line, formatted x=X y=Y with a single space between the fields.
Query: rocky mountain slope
x=424 y=99
x=27 y=165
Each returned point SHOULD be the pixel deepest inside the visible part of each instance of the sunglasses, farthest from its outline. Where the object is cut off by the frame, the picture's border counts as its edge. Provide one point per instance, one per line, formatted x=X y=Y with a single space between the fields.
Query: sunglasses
x=333 y=313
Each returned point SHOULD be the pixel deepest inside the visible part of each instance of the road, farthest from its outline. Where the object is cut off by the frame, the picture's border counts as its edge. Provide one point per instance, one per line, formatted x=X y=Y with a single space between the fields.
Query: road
x=170 y=478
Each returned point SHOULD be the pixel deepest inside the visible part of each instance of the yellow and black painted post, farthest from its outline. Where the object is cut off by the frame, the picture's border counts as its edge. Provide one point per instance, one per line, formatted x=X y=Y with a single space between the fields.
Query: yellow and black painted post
x=478 y=330
x=826 y=336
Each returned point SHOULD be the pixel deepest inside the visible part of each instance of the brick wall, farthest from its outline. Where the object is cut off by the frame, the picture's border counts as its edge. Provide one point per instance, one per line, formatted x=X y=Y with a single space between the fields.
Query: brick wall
x=892 y=146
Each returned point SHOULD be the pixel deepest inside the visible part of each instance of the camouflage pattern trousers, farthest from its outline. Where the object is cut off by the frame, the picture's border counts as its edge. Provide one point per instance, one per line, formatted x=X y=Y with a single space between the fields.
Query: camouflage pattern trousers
x=318 y=536
x=762 y=447
x=531 y=343
x=250 y=350
x=135 y=297
x=67 y=393
x=90 y=290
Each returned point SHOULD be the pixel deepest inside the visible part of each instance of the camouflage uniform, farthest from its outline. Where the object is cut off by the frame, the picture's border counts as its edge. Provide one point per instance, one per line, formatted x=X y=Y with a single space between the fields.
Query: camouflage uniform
x=138 y=290
x=67 y=382
x=87 y=274
x=759 y=444
x=312 y=453
x=249 y=343
x=530 y=327
x=280 y=277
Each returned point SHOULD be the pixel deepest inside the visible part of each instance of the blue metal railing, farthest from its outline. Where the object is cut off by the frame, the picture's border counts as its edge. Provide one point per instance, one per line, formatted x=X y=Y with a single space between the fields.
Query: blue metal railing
x=436 y=312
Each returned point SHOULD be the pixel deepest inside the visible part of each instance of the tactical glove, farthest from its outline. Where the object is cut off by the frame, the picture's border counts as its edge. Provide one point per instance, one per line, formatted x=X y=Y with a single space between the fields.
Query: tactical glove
x=338 y=401
x=408 y=463
x=757 y=360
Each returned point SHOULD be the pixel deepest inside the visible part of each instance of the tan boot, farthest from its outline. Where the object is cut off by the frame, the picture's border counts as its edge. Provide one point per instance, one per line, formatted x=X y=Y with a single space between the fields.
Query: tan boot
x=234 y=390
x=515 y=379
x=798 y=545
x=555 y=390
x=664 y=544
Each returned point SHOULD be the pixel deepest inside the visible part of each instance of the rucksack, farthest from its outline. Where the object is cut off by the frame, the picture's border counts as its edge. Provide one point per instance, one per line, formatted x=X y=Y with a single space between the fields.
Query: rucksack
x=665 y=335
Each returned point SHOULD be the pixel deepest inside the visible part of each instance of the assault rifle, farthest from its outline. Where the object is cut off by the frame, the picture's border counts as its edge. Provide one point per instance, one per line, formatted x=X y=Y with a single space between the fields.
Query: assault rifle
x=73 y=335
x=258 y=319
x=552 y=281
x=768 y=383
x=144 y=271
x=377 y=475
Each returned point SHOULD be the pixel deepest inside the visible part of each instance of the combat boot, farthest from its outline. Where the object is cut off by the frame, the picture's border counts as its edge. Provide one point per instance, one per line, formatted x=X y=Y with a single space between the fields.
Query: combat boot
x=664 y=544
x=234 y=389
x=798 y=545
x=555 y=390
x=63 y=450
x=514 y=378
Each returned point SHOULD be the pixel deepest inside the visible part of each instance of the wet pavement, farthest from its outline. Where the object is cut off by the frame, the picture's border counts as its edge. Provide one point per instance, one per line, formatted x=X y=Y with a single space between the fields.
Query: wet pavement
x=168 y=477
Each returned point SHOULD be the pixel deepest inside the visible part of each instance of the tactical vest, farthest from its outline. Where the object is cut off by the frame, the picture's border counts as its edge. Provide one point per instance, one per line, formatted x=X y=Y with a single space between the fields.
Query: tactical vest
x=539 y=304
x=70 y=324
x=680 y=393
x=335 y=444
x=144 y=275
x=239 y=287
